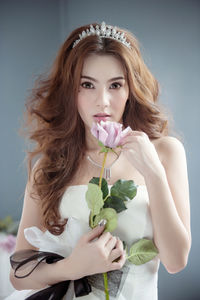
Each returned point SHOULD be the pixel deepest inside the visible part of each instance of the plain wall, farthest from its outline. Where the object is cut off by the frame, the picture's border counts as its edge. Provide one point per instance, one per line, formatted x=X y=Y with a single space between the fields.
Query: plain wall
x=31 y=32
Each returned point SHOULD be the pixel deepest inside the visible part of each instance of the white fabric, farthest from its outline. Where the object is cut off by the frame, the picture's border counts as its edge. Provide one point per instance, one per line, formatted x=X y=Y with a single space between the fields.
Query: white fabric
x=133 y=224
x=5 y=286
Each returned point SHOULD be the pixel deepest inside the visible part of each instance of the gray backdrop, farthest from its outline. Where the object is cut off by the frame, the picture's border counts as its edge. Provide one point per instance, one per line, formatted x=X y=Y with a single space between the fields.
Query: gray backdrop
x=31 y=32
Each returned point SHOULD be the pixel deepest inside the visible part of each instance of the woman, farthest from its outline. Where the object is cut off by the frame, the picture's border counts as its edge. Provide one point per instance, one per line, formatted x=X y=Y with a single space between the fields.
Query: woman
x=99 y=74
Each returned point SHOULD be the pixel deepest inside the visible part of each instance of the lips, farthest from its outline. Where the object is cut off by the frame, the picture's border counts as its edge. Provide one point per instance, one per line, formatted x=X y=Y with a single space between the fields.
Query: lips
x=101 y=117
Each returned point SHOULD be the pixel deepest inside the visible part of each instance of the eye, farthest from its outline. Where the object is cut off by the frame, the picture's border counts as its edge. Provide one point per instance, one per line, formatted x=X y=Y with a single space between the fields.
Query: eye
x=115 y=85
x=87 y=85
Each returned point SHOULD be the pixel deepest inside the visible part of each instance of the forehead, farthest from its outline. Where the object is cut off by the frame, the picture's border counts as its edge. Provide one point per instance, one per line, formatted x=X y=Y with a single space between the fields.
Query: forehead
x=106 y=65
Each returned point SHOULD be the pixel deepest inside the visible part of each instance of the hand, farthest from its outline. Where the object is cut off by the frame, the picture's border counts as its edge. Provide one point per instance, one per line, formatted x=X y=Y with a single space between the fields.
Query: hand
x=141 y=153
x=92 y=256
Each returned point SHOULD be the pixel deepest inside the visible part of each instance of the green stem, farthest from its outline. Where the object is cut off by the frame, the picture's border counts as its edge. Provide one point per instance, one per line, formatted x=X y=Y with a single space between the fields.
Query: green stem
x=102 y=168
x=105 y=276
x=106 y=198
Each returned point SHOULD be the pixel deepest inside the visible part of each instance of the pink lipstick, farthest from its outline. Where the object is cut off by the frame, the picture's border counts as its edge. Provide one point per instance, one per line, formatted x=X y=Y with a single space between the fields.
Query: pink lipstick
x=101 y=117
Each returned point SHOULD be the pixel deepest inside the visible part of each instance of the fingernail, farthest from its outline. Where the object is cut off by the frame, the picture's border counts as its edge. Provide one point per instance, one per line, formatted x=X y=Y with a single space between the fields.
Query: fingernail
x=102 y=222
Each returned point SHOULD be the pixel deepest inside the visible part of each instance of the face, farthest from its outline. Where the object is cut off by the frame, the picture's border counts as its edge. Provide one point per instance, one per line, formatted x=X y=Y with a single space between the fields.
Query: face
x=103 y=90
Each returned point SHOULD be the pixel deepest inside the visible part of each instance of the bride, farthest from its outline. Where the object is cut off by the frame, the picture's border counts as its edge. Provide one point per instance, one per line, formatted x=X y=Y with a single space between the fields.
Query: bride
x=99 y=75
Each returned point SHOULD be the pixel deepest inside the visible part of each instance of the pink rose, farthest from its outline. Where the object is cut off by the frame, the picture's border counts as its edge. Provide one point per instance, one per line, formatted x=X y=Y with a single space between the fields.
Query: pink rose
x=109 y=133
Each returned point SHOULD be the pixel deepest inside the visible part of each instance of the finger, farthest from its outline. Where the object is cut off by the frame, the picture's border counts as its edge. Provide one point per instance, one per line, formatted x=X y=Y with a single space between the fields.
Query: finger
x=119 y=264
x=104 y=238
x=128 y=146
x=119 y=244
x=130 y=139
x=116 y=253
x=134 y=132
x=128 y=143
x=140 y=132
x=111 y=243
x=94 y=233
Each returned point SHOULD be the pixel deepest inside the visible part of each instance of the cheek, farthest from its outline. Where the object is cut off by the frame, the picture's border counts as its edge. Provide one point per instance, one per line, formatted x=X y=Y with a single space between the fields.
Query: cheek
x=84 y=98
x=83 y=106
x=80 y=105
x=120 y=101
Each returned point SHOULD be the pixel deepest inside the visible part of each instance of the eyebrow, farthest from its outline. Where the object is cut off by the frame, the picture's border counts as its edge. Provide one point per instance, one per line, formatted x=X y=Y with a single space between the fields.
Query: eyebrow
x=112 y=79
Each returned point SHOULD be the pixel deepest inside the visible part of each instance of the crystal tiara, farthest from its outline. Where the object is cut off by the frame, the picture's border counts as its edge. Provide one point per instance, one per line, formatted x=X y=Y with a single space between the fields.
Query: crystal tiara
x=104 y=31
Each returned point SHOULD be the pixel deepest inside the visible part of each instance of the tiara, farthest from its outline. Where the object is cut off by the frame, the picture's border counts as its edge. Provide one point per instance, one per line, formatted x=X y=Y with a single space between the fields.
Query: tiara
x=104 y=31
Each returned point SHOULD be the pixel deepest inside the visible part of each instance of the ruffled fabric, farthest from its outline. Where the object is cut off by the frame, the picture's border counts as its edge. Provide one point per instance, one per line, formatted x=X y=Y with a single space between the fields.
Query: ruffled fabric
x=53 y=248
x=62 y=244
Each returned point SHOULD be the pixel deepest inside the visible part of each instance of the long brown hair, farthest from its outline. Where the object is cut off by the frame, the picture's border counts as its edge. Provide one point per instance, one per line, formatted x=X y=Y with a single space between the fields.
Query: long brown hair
x=55 y=126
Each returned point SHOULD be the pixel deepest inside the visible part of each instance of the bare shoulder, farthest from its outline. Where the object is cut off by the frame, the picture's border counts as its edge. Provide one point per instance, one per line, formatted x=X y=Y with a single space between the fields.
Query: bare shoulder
x=168 y=147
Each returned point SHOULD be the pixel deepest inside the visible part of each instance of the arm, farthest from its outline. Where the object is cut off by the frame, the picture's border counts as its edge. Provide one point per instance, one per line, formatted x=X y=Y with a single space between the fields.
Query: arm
x=169 y=204
x=165 y=172
x=44 y=274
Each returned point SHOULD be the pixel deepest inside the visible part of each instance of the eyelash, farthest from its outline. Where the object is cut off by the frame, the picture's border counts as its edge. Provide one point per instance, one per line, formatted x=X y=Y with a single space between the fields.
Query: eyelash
x=83 y=84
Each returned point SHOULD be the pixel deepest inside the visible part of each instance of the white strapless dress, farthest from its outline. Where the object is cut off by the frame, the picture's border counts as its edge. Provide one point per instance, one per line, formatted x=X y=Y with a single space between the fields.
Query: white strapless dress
x=138 y=282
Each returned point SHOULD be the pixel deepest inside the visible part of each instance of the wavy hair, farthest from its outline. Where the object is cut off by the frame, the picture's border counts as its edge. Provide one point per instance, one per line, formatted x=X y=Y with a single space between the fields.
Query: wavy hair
x=55 y=126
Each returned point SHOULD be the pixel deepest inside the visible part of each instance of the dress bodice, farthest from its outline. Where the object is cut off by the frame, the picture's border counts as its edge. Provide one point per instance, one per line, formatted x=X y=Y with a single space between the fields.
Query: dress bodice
x=133 y=223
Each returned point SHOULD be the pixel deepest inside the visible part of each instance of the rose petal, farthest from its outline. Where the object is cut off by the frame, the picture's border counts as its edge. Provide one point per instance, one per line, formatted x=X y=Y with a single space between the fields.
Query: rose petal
x=124 y=133
x=94 y=130
x=111 y=135
x=102 y=134
x=118 y=130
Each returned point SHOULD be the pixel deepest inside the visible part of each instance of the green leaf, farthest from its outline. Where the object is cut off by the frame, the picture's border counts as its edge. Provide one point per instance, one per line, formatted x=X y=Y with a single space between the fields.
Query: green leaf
x=142 y=251
x=116 y=203
x=110 y=215
x=94 y=198
x=101 y=144
x=124 y=189
x=104 y=185
x=103 y=147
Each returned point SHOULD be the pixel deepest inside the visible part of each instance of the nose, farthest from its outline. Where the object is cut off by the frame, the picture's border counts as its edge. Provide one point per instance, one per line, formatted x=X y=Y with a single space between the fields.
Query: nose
x=103 y=98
